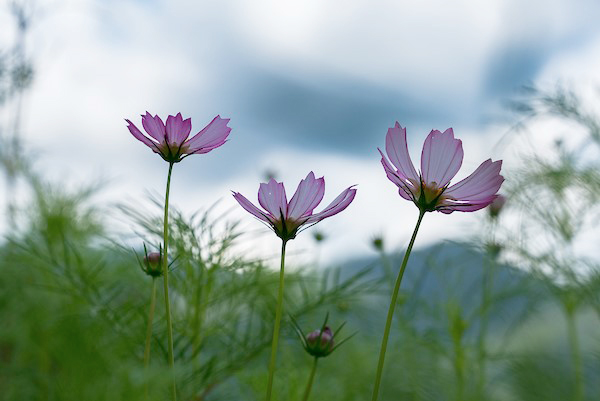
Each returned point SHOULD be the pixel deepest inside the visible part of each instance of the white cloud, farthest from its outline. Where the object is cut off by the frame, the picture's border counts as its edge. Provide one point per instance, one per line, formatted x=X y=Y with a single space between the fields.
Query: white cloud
x=99 y=63
x=577 y=65
x=389 y=43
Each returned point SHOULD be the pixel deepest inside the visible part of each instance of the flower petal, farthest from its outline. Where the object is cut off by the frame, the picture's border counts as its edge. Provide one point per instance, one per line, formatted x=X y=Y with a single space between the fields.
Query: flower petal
x=397 y=150
x=484 y=182
x=154 y=127
x=448 y=206
x=177 y=129
x=141 y=137
x=210 y=137
x=271 y=197
x=406 y=188
x=441 y=157
x=249 y=207
x=308 y=195
x=340 y=203
x=476 y=191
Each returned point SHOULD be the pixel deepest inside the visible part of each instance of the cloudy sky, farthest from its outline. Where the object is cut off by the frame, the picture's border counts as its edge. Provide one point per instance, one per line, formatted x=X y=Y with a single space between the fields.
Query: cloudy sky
x=309 y=85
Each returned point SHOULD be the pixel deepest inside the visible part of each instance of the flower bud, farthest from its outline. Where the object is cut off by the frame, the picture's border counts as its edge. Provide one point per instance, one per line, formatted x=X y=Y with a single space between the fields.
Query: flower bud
x=377 y=243
x=152 y=264
x=496 y=206
x=319 y=236
x=320 y=343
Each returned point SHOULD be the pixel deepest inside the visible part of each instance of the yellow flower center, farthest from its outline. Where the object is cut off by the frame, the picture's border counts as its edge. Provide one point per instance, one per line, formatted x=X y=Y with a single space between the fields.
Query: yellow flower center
x=432 y=192
x=429 y=195
x=173 y=152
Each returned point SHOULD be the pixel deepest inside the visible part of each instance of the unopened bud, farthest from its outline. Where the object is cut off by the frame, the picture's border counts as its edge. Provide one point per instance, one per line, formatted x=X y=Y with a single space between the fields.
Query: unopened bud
x=152 y=264
x=319 y=236
x=270 y=174
x=378 y=243
x=320 y=343
x=496 y=206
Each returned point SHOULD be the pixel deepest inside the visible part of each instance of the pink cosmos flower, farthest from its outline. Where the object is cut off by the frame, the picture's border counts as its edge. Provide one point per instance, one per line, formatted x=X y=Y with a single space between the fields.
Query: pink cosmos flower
x=440 y=161
x=171 y=141
x=286 y=218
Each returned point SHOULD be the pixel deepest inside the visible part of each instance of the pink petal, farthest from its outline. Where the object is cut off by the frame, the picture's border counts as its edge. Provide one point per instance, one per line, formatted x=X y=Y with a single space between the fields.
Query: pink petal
x=441 y=157
x=397 y=150
x=340 y=203
x=405 y=187
x=484 y=182
x=205 y=149
x=271 y=197
x=448 y=206
x=308 y=195
x=154 y=127
x=177 y=129
x=249 y=207
x=476 y=191
x=141 y=137
x=212 y=136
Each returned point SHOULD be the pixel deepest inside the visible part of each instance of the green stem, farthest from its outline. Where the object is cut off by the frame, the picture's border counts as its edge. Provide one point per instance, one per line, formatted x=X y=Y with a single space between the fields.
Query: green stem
x=311 y=378
x=202 y=303
x=197 y=312
x=486 y=292
x=277 y=324
x=575 y=354
x=390 y=314
x=165 y=262
x=149 y=330
x=150 y=320
x=459 y=367
x=387 y=268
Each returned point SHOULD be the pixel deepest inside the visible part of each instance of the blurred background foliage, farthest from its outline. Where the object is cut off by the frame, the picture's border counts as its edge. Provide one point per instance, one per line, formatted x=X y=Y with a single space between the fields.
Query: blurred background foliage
x=511 y=313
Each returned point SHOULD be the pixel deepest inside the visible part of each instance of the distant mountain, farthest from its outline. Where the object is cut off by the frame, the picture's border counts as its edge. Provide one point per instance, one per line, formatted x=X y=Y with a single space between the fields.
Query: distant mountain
x=444 y=280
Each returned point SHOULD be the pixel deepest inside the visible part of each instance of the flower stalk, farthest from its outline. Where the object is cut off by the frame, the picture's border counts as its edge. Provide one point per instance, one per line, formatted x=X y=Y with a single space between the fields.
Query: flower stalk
x=278 y=312
x=575 y=348
x=311 y=379
x=200 y=308
x=150 y=320
x=166 y=284
x=393 y=302
x=486 y=303
x=488 y=277
x=149 y=329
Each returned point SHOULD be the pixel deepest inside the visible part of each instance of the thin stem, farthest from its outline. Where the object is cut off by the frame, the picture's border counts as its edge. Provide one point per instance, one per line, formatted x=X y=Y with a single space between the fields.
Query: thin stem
x=575 y=354
x=486 y=294
x=459 y=365
x=197 y=312
x=165 y=262
x=202 y=303
x=387 y=268
x=149 y=330
x=277 y=324
x=16 y=159
x=311 y=378
x=150 y=320
x=390 y=314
